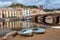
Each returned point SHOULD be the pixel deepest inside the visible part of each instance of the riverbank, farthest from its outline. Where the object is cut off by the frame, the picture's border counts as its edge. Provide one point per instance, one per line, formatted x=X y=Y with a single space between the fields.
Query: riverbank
x=50 y=34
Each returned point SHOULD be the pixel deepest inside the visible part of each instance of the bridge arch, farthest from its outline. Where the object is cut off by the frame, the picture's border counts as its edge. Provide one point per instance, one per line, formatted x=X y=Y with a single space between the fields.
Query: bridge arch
x=49 y=19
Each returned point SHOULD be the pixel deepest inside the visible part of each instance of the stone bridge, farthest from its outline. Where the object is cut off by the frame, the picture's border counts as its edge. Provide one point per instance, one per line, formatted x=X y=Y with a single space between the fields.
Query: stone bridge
x=52 y=18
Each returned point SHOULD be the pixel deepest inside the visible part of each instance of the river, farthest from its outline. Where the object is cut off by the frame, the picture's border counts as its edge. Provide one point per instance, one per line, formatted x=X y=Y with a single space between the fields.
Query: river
x=21 y=24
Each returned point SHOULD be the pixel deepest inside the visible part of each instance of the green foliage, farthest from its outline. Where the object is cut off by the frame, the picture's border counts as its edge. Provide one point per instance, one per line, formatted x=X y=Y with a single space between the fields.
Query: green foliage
x=51 y=9
x=21 y=5
x=48 y=10
x=32 y=6
x=17 y=5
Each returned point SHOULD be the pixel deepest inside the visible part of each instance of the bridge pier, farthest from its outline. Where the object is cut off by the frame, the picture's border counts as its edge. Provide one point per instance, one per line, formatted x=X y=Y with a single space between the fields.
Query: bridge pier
x=36 y=18
x=40 y=19
x=58 y=20
x=55 y=20
x=44 y=19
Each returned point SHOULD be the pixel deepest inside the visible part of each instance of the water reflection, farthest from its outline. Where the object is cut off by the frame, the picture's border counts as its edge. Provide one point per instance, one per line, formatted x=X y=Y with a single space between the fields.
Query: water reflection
x=20 y=25
x=4 y=31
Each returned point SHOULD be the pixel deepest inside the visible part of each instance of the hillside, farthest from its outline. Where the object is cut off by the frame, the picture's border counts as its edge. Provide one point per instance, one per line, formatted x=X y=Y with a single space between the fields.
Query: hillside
x=21 y=5
x=31 y=6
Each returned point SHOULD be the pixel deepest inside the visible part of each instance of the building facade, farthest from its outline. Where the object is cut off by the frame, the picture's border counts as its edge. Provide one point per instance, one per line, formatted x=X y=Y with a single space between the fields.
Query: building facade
x=1 y=13
x=19 y=12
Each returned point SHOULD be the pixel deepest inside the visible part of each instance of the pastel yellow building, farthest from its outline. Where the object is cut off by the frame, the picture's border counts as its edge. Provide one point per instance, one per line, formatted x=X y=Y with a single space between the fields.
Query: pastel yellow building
x=34 y=11
x=1 y=15
x=6 y=12
x=18 y=12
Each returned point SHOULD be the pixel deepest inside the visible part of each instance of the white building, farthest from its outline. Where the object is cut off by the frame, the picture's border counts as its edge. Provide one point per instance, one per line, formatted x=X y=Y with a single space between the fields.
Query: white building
x=26 y=12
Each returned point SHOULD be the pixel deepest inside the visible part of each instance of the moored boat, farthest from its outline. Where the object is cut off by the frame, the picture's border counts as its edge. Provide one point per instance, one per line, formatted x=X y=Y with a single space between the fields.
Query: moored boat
x=25 y=32
x=38 y=30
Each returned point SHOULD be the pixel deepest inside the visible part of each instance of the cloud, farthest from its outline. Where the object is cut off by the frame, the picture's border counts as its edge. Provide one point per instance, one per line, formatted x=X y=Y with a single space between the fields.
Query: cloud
x=4 y=4
x=46 y=3
x=31 y=2
x=52 y=4
x=5 y=0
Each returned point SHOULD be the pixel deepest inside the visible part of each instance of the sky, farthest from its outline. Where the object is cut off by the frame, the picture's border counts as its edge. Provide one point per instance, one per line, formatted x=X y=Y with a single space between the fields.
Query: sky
x=50 y=4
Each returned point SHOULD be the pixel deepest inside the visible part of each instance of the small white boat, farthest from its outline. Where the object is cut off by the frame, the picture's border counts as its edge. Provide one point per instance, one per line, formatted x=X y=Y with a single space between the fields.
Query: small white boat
x=25 y=32
x=38 y=30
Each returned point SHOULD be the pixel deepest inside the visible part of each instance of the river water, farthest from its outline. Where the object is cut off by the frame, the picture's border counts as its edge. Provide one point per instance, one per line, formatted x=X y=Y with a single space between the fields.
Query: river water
x=8 y=26
x=17 y=25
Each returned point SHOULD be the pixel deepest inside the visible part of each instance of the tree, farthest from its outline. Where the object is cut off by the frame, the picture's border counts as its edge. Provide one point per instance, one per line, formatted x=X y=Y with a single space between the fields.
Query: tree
x=21 y=5
x=17 y=5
